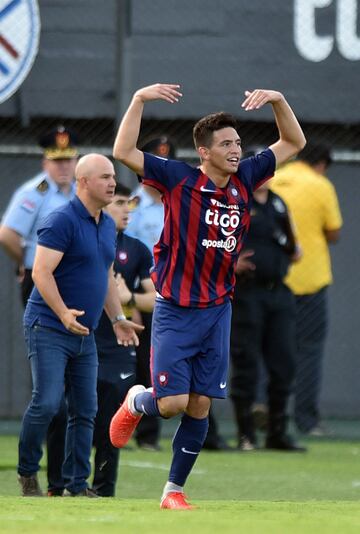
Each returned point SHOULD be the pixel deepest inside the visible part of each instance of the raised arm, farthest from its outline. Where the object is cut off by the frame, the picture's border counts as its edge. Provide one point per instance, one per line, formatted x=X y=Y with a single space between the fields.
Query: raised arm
x=291 y=137
x=125 y=149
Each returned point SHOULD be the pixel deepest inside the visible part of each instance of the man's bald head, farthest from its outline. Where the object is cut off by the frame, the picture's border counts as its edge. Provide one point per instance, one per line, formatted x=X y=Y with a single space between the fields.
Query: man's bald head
x=95 y=181
x=93 y=164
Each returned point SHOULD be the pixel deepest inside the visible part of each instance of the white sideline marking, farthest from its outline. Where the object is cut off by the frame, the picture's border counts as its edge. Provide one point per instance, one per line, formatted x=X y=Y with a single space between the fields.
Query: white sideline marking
x=161 y=467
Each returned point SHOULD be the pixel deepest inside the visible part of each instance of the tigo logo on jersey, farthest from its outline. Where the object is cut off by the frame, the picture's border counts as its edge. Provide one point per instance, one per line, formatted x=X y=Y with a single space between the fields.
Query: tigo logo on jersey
x=227 y=221
x=163 y=378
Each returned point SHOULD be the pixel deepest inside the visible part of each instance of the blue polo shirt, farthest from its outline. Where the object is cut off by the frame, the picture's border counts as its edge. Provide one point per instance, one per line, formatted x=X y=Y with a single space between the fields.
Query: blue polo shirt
x=82 y=274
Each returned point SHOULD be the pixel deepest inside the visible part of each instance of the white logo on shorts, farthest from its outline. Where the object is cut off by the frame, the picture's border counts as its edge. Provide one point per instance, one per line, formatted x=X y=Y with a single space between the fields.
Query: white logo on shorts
x=124 y=376
x=222 y=385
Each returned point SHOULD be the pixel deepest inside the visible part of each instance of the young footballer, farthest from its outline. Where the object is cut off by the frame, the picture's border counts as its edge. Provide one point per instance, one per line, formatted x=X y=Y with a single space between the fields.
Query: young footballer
x=206 y=220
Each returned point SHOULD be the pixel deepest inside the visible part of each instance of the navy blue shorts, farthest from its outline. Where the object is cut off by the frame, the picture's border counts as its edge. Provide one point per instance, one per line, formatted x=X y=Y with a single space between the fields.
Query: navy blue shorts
x=190 y=349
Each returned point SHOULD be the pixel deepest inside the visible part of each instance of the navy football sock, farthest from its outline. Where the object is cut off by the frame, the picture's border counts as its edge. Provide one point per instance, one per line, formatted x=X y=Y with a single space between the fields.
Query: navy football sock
x=146 y=403
x=187 y=444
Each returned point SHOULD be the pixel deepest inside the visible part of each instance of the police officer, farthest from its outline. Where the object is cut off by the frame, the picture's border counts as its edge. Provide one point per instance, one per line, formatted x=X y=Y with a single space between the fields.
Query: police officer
x=263 y=324
x=30 y=204
x=36 y=198
x=117 y=364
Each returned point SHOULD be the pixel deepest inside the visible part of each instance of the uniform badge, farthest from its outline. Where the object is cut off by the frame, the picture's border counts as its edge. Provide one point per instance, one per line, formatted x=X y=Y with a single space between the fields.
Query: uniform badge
x=163 y=378
x=28 y=205
x=42 y=187
x=122 y=256
x=62 y=140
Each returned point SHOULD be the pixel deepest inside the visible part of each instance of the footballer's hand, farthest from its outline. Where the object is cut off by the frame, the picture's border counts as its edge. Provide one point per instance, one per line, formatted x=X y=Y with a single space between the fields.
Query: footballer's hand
x=243 y=264
x=125 y=332
x=68 y=319
x=159 y=91
x=259 y=97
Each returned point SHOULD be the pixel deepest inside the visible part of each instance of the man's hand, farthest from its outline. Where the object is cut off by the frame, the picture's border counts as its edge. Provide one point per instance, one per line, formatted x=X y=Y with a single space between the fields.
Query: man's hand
x=243 y=264
x=159 y=91
x=259 y=97
x=125 y=332
x=68 y=319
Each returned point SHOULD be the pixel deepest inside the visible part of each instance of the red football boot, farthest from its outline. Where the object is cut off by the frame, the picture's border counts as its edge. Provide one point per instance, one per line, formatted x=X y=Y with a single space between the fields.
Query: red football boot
x=175 y=500
x=124 y=422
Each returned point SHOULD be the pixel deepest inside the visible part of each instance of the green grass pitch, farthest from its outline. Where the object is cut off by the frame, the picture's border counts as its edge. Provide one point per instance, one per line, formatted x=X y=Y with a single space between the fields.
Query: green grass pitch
x=254 y=493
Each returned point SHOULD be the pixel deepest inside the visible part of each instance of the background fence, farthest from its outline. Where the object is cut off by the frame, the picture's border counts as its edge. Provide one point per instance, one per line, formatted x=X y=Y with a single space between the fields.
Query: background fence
x=93 y=55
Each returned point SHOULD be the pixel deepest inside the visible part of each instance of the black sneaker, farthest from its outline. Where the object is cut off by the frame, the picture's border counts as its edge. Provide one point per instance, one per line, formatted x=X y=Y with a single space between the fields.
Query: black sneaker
x=30 y=486
x=218 y=444
x=55 y=492
x=87 y=492
x=283 y=443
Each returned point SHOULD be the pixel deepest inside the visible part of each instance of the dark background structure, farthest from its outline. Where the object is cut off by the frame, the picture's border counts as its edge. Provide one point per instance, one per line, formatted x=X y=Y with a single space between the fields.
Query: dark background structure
x=93 y=55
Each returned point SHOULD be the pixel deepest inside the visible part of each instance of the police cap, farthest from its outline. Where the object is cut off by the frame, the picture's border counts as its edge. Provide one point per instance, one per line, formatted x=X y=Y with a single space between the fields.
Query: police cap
x=59 y=143
x=160 y=146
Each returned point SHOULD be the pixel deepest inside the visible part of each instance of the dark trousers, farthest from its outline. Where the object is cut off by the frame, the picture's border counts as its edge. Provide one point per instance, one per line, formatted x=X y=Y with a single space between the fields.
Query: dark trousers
x=148 y=431
x=55 y=437
x=311 y=330
x=116 y=375
x=263 y=328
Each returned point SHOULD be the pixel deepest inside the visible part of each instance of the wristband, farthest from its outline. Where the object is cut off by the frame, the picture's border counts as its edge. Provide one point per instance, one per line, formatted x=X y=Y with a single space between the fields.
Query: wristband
x=117 y=318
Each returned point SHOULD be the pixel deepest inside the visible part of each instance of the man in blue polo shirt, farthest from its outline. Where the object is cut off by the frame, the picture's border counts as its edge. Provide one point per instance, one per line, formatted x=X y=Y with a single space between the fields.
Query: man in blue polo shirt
x=74 y=281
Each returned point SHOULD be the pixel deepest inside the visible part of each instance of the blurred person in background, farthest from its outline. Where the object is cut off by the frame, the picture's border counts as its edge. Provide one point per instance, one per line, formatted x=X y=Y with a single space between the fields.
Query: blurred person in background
x=263 y=322
x=117 y=370
x=206 y=221
x=74 y=281
x=147 y=223
x=29 y=206
x=313 y=203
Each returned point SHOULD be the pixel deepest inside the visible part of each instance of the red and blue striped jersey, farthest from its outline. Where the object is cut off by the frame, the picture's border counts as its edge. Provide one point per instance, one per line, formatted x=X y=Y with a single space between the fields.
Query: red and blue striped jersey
x=204 y=227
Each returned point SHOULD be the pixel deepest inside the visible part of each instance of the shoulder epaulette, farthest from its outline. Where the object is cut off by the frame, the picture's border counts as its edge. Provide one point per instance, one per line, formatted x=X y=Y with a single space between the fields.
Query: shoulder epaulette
x=43 y=186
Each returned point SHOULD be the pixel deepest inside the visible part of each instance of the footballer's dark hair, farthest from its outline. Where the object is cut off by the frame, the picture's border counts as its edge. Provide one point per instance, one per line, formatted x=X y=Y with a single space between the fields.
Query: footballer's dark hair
x=122 y=190
x=205 y=127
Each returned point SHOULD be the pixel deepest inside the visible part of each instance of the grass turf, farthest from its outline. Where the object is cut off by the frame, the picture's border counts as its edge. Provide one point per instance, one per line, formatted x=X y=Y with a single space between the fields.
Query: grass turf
x=256 y=492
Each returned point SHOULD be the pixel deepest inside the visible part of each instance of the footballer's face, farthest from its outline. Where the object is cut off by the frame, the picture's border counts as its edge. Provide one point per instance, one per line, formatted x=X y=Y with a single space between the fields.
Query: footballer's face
x=223 y=155
x=119 y=210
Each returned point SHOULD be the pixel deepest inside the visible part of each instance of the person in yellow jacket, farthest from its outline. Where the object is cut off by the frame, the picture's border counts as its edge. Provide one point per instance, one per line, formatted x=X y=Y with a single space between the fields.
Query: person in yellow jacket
x=313 y=203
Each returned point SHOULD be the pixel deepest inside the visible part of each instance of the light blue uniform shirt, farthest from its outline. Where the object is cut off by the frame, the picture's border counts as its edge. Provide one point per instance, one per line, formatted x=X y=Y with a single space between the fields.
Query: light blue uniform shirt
x=147 y=219
x=28 y=207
